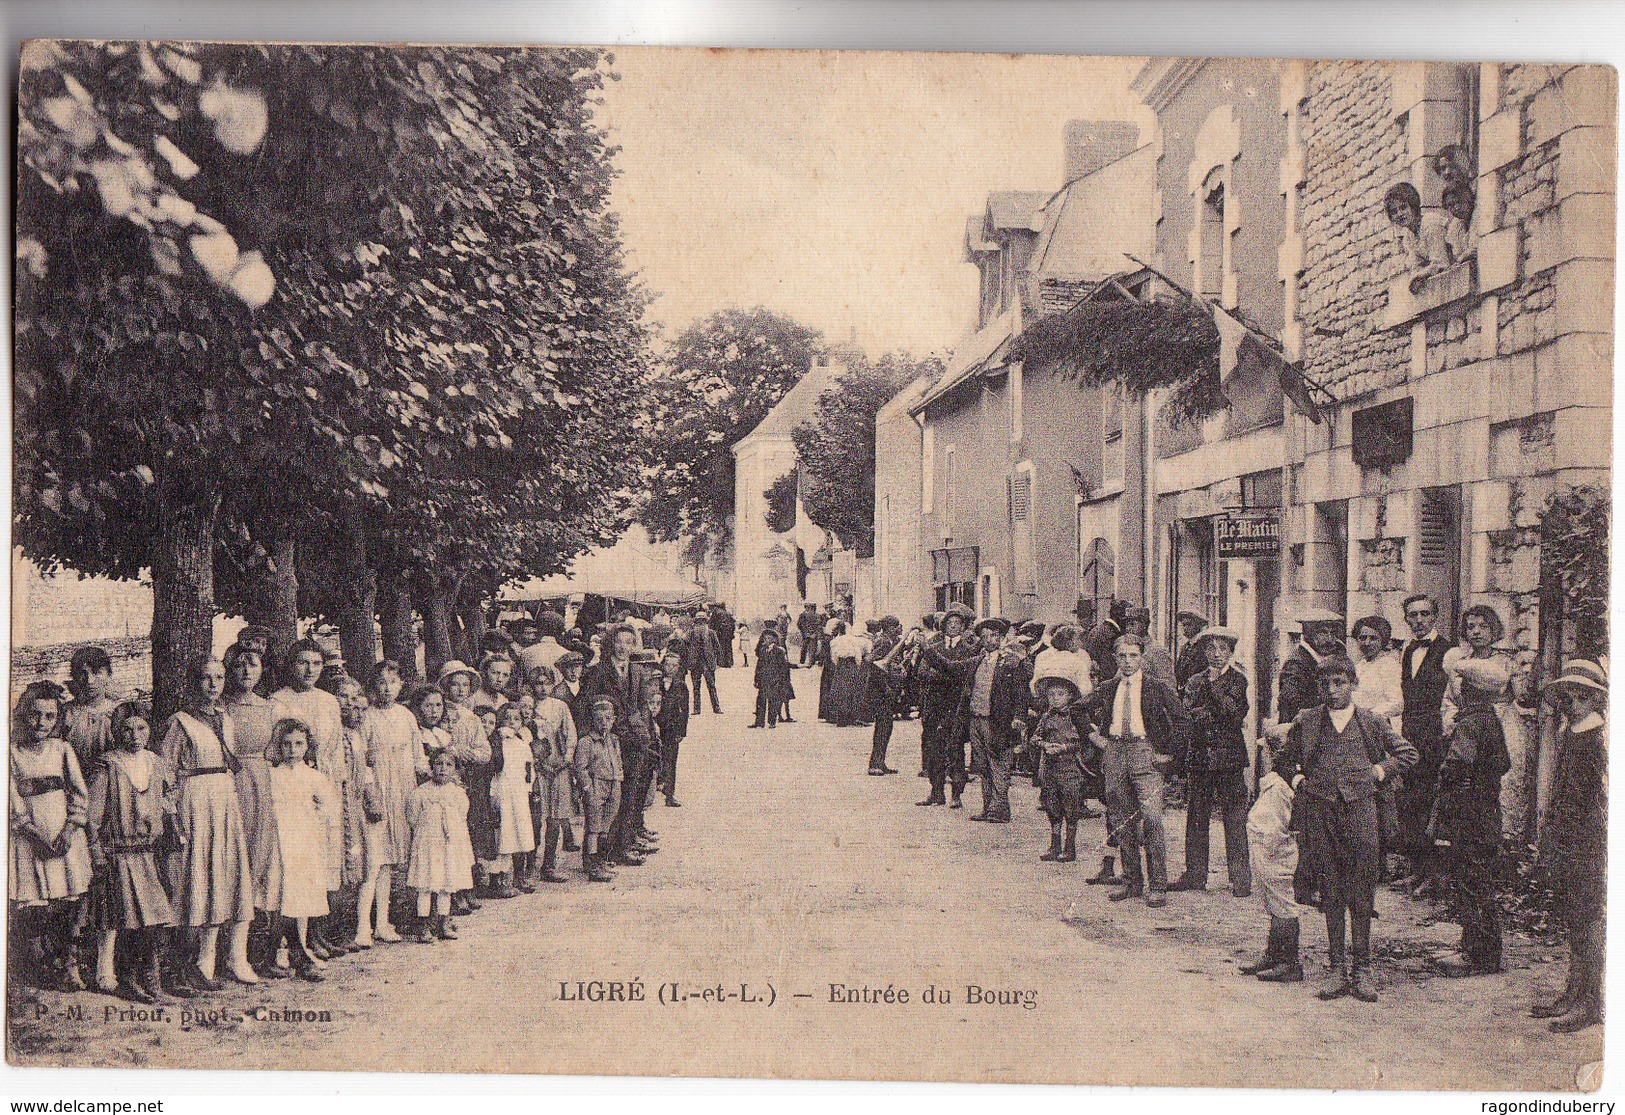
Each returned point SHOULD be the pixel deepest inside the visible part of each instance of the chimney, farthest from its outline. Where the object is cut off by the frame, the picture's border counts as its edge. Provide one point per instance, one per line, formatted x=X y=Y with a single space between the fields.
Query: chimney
x=1091 y=144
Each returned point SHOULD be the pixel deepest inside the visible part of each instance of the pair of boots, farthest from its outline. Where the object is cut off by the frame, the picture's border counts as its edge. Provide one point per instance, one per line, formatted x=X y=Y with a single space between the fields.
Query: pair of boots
x=433 y=927
x=592 y=863
x=1280 y=963
x=1059 y=852
x=141 y=983
x=500 y=885
x=1352 y=978
x=266 y=936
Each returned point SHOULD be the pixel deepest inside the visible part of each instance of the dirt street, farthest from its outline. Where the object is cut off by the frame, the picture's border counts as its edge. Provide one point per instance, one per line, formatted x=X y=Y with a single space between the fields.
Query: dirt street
x=788 y=870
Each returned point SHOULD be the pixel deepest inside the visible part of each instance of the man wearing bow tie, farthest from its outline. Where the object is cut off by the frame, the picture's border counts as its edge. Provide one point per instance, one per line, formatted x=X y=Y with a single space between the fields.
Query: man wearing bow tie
x=1422 y=681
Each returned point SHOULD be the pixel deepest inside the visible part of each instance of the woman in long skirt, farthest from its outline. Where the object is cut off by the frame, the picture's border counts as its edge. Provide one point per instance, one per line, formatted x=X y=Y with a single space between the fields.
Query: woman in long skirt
x=849 y=681
x=212 y=880
x=252 y=718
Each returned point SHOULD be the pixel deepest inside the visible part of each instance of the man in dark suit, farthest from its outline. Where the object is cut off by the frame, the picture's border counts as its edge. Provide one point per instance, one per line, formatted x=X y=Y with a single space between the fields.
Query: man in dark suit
x=1142 y=729
x=1101 y=642
x=617 y=677
x=995 y=703
x=1191 y=660
x=725 y=627
x=941 y=728
x=614 y=675
x=1216 y=765
x=672 y=722
x=811 y=628
x=703 y=654
x=1335 y=757
x=1422 y=685
x=1299 y=684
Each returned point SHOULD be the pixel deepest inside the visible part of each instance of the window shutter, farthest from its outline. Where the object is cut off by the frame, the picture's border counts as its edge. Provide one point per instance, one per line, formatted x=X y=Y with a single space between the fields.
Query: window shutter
x=1021 y=497
x=1433 y=533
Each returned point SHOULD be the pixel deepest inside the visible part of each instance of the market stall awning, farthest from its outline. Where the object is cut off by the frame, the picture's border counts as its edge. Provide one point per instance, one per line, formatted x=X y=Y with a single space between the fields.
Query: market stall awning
x=619 y=573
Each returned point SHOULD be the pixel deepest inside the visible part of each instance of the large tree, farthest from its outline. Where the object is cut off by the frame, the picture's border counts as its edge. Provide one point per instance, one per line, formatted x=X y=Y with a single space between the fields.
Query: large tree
x=836 y=450
x=717 y=383
x=273 y=296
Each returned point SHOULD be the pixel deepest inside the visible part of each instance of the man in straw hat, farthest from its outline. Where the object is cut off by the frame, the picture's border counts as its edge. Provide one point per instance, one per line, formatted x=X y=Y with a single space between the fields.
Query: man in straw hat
x=1335 y=758
x=1577 y=832
x=1466 y=822
x=1215 y=766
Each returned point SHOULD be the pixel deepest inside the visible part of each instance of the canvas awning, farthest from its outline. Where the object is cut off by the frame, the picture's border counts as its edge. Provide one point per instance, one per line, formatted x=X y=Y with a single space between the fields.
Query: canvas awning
x=618 y=574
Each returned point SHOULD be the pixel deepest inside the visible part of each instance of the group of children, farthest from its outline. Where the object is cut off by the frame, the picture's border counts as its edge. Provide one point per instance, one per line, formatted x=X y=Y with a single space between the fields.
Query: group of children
x=259 y=819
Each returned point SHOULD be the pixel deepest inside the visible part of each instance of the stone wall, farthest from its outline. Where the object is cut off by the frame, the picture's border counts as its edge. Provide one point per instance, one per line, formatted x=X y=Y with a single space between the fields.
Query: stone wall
x=1354 y=148
x=132 y=664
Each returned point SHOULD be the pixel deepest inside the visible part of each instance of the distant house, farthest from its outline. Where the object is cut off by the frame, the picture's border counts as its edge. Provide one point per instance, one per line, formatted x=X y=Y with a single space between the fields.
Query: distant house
x=771 y=567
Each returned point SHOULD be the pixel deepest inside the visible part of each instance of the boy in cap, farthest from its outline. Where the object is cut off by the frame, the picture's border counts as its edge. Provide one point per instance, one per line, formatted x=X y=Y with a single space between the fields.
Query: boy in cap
x=1335 y=758
x=1466 y=823
x=1577 y=827
x=1216 y=765
x=598 y=776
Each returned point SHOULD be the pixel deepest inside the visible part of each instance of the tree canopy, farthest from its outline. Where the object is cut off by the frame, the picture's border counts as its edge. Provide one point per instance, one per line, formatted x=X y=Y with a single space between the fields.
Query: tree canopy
x=717 y=383
x=836 y=450
x=368 y=297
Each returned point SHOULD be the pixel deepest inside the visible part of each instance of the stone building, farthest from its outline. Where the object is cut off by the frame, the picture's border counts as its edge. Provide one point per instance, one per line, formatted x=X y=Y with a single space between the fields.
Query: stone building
x=1020 y=475
x=1468 y=391
x=1220 y=218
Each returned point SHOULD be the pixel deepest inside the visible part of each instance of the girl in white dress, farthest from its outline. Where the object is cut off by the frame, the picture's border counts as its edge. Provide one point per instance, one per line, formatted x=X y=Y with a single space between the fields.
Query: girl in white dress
x=510 y=800
x=442 y=861
x=50 y=869
x=304 y=809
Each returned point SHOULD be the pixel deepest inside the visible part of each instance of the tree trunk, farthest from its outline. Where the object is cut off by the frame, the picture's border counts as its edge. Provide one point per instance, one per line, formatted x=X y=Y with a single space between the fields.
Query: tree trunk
x=395 y=619
x=279 y=608
x=471 y=612
x=434 y=604
x=182 y=602
x=358 y=603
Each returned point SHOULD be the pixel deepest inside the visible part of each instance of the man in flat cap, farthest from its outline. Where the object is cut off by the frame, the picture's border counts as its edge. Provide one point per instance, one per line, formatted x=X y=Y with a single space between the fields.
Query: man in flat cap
x=1335 y=757
x=1216 y=764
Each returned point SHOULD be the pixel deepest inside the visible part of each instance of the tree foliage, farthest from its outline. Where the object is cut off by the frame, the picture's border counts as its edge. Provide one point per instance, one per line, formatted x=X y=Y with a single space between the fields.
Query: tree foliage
x=717 y=383
x=371 y=298
x=1575 y=528
x=781 y=503
x=1145 y=346
x=836 y=450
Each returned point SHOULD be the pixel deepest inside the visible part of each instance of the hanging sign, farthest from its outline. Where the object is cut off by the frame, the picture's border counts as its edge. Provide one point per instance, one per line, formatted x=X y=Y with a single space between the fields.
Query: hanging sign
x=1247 y=536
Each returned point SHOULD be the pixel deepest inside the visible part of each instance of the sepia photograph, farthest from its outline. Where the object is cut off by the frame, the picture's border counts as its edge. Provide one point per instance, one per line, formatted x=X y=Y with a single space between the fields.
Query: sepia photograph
x=810 y=564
